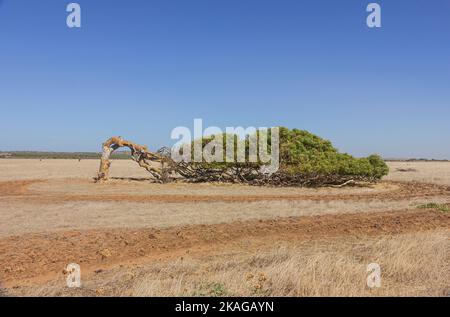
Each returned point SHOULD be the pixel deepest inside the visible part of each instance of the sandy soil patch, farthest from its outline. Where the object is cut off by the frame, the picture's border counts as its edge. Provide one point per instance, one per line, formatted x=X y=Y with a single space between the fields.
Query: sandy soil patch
x=135 y=237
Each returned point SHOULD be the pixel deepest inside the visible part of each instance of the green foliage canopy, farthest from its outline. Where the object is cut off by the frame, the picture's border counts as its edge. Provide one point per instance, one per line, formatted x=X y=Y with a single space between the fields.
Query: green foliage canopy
x=306 y=158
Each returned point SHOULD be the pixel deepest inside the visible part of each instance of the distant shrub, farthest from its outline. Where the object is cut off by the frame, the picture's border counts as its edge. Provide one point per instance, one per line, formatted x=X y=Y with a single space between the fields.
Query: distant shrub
x=435 y=206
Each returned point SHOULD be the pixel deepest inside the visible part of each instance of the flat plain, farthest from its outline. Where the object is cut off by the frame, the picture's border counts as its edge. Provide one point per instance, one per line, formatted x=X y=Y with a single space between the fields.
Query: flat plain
x=134 y=237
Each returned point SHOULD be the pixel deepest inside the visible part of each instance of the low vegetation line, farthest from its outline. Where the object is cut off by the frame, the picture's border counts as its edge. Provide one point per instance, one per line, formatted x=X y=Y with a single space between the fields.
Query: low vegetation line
x=435 y=206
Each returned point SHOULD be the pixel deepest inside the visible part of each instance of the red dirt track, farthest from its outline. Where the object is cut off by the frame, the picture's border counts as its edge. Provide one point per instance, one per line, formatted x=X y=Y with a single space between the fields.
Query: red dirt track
x=42 y=255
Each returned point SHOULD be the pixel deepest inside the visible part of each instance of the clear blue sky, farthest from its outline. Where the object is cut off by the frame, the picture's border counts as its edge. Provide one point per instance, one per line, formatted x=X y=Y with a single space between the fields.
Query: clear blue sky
x=312 y=65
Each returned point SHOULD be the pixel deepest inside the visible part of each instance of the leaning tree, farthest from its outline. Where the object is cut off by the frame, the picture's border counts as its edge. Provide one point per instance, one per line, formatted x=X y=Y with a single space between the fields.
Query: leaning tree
x=304 y=160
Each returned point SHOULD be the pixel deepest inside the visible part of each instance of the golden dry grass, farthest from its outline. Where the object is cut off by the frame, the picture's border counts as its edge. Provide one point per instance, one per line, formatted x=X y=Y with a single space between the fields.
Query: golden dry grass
x=411 y=265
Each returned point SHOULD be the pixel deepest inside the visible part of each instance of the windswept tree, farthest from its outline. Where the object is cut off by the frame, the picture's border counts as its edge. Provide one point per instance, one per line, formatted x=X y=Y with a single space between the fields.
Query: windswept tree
x=304 y=159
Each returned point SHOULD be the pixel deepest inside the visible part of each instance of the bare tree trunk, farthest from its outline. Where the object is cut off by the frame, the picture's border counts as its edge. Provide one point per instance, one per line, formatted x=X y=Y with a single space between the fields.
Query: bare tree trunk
x=139 y=154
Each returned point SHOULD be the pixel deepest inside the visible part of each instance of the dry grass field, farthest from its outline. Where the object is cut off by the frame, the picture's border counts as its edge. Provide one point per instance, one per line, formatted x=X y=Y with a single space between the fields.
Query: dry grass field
x=132 y=237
